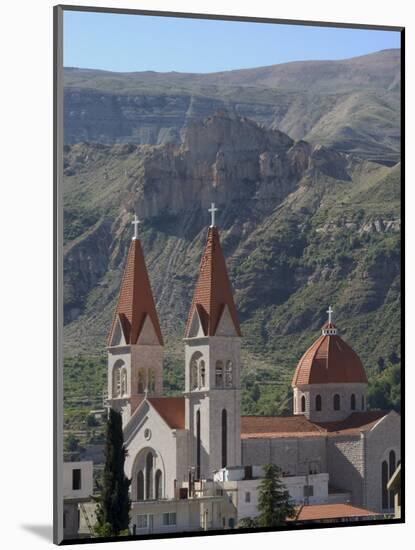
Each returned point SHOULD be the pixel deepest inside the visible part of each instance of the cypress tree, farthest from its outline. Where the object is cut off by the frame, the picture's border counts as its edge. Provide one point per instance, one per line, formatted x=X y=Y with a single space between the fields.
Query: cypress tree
x=113 y=512
x=273 y=499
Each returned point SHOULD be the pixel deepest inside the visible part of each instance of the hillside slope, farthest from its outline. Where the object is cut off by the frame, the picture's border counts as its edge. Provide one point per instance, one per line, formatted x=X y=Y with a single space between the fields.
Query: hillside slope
x=302 y=227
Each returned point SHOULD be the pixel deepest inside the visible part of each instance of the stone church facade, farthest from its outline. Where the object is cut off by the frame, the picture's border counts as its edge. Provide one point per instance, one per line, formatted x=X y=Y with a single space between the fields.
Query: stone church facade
x=178 y=446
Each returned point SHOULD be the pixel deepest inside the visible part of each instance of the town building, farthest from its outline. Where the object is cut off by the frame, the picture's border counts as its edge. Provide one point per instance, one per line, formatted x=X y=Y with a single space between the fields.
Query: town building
x=77 y=491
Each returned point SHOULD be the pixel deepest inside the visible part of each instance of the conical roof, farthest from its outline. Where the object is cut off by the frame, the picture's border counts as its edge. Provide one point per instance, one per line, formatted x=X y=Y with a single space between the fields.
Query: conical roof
x=329 y=360
x=213 y=291
x=135 y=301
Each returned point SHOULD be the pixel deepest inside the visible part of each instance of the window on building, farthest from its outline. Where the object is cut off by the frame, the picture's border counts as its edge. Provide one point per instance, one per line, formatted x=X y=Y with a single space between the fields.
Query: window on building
x=248 y=472
x=353 y=402
x=123 y=382
x=308 y=491
x=194 y=370
x=385 y=499
x=219 y=374
x=336 y=402
x=142 y=521
x=231 y=523
x=363 y=402
x=149 y=476
x=247 y=496
x=392 y=467
x=76 y=479
x=198 y=445
x=116 y=382
x=229 y=374
x=202 y=373
x=64 y=520
x=141 y=381
x=318 y=402
x=169 y=518
x=224 y=438
x=303 y=403
x=140 y=485
x=151 y=380
x=158 y=480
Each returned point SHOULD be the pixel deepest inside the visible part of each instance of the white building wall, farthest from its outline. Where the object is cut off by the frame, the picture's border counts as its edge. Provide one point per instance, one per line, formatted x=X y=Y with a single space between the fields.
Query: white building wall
x=86 y=489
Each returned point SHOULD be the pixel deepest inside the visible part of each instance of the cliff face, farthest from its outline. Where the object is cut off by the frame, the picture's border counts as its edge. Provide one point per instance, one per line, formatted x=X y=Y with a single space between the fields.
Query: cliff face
x=352 y=105
x=301 y=226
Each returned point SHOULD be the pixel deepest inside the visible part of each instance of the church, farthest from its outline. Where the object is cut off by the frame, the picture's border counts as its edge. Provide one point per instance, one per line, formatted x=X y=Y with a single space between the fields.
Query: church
x=194 y=461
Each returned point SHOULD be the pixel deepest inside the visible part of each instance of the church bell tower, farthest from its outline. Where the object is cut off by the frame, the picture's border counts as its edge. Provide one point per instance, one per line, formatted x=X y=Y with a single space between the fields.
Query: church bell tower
x=135 y=343
x=212 y=366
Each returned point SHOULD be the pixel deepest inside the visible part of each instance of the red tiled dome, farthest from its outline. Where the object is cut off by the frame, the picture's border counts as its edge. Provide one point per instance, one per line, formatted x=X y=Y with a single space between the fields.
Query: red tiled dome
x=329 y=360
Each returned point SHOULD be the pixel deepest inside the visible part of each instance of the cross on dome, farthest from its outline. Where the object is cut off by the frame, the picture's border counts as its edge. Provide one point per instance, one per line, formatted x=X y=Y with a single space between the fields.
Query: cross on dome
x=135 y=223
x=329 y=329
x=212 y=210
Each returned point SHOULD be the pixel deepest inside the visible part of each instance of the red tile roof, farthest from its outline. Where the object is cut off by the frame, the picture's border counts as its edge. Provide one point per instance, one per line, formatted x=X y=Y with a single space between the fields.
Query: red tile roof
x=135 y=300
x=213 y=289
x=271 y=427
x=171 y=409
x=331 y=511
x=329 y=360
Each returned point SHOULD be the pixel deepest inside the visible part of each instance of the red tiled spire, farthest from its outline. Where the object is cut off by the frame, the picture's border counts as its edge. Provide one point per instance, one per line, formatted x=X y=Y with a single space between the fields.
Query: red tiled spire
x=135 y=300
x=213 y=289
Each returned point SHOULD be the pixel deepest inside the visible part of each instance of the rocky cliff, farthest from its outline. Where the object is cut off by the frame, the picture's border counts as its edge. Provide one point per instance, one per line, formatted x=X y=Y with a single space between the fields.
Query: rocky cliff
x=351 y=105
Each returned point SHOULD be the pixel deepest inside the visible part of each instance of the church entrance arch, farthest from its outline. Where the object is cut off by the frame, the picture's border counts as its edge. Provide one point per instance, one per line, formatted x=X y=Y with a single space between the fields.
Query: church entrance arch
x=148 y=476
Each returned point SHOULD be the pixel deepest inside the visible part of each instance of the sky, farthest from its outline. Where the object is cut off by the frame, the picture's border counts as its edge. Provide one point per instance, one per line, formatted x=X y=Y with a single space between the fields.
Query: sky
x=121 y=42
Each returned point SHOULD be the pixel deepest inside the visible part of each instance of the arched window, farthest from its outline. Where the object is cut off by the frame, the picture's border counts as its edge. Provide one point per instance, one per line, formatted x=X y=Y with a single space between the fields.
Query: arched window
x=303 y=403
x=141 y=386
x=149 y=476
x=392 y=467
x=385 y=499
x=224 y=438
x=158 y=479
x=151 y=381
x=363 y=402
x=123 y=381
x=198 y=443
x=318 y=402
x=116 y=378
x=353 y=402
x=219 y=374
x=140 y=485
x=336 y=402
x=202 y=373
x=194 y=368
x=229 y=374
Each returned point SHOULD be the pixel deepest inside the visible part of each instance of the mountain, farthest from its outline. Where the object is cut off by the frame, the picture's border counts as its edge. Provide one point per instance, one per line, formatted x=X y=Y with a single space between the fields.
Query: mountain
x=350 y=105
x=302 y=226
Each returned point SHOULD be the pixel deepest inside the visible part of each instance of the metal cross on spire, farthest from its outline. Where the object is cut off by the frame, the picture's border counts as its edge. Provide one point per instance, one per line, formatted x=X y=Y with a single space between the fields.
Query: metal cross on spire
x=329 y=311
x=212 y=210
x=135 y=223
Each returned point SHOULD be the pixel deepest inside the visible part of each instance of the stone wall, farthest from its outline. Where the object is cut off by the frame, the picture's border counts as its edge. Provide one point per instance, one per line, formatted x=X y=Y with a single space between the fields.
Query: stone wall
x=346 y=465
x=327 y=392
x=295 y=456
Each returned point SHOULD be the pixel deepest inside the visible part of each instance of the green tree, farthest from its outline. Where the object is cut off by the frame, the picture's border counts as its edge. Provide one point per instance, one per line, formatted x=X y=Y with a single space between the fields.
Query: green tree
x=113 y=512
x=256 y=392
x=274 y=502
